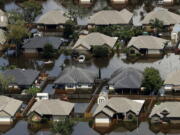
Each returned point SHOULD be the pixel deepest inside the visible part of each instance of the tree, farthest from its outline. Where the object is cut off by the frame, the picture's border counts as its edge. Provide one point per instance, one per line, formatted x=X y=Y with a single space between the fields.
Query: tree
x=63 y=127
x=69 y=29
x=48 y=51
x=157 y=24
x=2 y=2
x=31 y=10
x=100 y=51
x=15 y=17
x=152 y=80
x=16 y=34
x=17 y=30
x=4 y=83
x=33 y=90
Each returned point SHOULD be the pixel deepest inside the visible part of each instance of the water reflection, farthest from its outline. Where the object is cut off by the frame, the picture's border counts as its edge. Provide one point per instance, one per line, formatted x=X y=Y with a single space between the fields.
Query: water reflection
x=82 y=128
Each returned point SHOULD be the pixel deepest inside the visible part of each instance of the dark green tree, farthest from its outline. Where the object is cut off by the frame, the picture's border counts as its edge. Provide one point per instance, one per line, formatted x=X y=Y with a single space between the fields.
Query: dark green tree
x=63 y=127
x=100 y=51
x=48 y=51
x=157 y=24
x=152 y=80
x=69 y=29
x=31 y=10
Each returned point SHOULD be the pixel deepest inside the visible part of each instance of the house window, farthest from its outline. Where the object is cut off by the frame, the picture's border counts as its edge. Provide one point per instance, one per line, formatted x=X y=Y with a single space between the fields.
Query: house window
x=130 y=116
x=132 y=51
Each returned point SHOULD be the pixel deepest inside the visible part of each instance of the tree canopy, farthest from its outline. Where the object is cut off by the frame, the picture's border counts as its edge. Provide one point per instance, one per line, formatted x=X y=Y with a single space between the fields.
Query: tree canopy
x=152 y=80
x=48 y=51
x=4 y=83
x=100 y=51
x=31 y=10
x=63 y=127
x=33 y=90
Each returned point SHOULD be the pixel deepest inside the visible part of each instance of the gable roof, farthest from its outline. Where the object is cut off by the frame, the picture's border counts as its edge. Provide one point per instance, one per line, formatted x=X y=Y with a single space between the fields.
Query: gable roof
x=173 y=109
x=52 y=17
x=148 y=42
x=95 y=38
x=173 y=78
x=2 y=37
x=52 y=107
x=21 y=76
x=3 y=19
x=107 y=17
x=118 y=105
x=40 y=42
x=76 y=75
x=9 y=105
x=126 y=78
x=162 y=14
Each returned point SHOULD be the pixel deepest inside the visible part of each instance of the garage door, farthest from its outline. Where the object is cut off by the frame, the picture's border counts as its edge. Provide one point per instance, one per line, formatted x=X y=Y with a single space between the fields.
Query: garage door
x=5 y=120
x=102 y=122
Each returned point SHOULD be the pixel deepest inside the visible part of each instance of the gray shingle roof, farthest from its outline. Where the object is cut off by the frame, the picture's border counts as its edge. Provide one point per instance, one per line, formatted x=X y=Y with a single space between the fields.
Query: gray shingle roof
x=162 y=14
x=39 y=42
x=173 y=109
x=75 y=75
x=119 y=105
x=2 y=37
x=9 y=105
x=22 y=76
x=95 y=38
x=52 y=17
x=3 y=19
x=107 y=17
x=126 y=78
x=173 y=78
x=149 y=42
x=52 y=107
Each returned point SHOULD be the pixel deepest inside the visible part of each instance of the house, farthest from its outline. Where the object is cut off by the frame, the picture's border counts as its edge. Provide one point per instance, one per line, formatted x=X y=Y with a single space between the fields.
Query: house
x=75 y=78
x=128 y=80
x=36 y=45
x=116 y=108
x=168 y=18
x=167 y=111
x=51 y=109
x=21 y=78
x=110 y=17
x=8 y=109
x=52 y=21
x=3 y=19
x=175 y=34
x=147 y=45
x=86 y=42
x=172 y=82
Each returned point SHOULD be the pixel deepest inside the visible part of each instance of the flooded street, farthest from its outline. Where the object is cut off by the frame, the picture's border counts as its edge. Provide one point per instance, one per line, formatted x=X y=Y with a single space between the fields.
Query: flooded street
x=82 y=128
x=167 y=64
